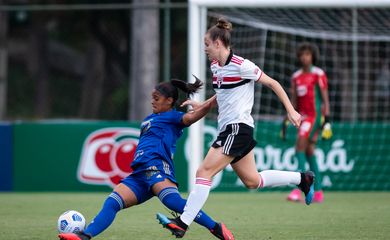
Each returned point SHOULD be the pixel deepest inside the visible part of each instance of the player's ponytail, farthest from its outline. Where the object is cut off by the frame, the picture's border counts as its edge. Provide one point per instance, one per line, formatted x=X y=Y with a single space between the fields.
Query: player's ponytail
x=188 y=88
x=170 y=89
x=221 y=30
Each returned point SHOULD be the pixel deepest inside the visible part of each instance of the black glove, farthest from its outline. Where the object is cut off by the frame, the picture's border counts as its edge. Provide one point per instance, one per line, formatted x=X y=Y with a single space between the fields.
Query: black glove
x=283 y=129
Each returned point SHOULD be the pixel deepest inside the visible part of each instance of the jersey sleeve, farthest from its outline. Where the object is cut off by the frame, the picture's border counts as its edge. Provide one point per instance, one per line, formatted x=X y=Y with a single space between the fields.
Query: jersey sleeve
x=249 y=70
x=177 y=117
x=293 y=83
x=293 y=79
x=322 y=80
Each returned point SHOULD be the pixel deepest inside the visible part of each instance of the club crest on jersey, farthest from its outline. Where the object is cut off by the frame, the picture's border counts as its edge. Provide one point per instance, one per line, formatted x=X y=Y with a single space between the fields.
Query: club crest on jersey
x=146 y=125
x=107 y=155
x=219 y=80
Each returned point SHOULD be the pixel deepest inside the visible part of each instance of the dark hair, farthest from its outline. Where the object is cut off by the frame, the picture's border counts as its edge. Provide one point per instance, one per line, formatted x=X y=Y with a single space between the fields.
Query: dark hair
x=169 y=89
x=221 y=31
x=306 y=46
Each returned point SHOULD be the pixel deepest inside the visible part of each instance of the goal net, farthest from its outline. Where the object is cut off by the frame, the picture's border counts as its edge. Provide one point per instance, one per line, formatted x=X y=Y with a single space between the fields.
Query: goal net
x=354 y=45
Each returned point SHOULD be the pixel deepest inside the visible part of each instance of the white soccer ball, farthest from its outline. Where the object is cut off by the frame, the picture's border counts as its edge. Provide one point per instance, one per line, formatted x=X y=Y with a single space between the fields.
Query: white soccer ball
x=71 y=222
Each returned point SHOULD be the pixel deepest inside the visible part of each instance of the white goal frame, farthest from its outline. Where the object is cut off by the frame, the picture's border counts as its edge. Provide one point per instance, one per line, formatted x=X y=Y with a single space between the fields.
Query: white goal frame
x=197 y=26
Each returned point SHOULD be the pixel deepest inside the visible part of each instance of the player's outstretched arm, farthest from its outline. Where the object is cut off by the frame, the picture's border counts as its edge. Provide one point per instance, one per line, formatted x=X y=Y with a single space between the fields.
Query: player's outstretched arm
x=293 y=116
x=198 y=111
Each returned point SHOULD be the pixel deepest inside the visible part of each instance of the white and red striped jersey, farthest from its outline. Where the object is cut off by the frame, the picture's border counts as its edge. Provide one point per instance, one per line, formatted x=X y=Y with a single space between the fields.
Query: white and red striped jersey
x=234 y=86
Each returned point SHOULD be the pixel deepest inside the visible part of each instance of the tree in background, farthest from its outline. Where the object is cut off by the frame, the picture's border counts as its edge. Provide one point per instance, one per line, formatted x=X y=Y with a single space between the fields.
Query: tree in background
x=3 y=61
x=144 y=58
x=87 y=64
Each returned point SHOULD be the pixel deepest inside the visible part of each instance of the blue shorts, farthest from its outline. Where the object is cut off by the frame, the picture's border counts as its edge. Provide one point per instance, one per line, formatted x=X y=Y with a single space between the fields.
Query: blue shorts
x=141 y=183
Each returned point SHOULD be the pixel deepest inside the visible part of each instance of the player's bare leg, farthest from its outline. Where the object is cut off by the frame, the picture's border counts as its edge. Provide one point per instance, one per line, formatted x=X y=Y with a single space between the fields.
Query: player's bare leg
x=214 y=162
x=247 y=171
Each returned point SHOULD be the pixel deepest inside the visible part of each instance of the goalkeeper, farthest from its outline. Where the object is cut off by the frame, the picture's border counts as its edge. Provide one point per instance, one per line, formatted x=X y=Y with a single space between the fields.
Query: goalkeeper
x=309 y=95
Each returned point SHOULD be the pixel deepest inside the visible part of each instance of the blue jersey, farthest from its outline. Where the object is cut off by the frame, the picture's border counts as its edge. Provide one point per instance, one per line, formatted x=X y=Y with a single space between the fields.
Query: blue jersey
x=157 y=142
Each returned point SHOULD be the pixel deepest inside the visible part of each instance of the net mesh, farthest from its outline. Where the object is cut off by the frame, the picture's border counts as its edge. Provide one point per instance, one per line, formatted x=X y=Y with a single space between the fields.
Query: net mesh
x=355 y=57
x=354 y=49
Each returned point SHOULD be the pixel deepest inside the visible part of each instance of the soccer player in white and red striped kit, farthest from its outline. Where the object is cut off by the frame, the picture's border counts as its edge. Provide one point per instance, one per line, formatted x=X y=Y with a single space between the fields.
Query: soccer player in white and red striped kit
x=234 y=79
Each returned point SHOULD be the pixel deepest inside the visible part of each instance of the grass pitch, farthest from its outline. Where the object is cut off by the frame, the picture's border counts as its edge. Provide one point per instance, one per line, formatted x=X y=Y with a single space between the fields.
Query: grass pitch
x=250 y=216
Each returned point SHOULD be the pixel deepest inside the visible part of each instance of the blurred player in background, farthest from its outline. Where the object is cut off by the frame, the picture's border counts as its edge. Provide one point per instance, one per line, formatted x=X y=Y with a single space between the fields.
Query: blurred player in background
x=153 y=171
x=234 y=80
x=309 y=94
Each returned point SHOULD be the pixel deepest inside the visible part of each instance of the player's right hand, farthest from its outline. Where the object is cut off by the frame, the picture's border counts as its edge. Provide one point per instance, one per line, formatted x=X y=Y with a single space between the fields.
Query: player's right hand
x=190 y=102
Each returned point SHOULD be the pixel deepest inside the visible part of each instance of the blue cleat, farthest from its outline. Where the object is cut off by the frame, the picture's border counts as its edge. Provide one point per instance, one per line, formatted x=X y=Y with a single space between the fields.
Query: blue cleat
x=175 y=225
x=307 y=186
x=309 y=195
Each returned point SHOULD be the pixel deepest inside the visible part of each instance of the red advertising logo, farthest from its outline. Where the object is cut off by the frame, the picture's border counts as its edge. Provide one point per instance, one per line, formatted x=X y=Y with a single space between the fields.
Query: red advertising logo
x=107 y=155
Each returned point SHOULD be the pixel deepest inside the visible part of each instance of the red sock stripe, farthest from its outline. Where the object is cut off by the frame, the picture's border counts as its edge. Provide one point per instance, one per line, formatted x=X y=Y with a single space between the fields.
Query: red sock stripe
x=203 y=181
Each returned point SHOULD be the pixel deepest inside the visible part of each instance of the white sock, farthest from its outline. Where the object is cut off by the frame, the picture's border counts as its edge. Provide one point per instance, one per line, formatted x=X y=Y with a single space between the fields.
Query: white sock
x=196 y=200
x=275 y=178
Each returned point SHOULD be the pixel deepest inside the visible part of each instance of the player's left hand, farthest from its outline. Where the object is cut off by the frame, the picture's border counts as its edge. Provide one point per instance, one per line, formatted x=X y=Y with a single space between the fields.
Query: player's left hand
x=295 y=118
x=326 y=129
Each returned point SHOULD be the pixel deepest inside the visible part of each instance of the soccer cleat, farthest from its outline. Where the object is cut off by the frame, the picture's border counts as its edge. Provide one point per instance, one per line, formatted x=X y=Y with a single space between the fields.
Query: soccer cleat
x=318 y=197
x=73 y=236
x=220 y=231
x=307 y=186
x=295 y=195
x=172 y=224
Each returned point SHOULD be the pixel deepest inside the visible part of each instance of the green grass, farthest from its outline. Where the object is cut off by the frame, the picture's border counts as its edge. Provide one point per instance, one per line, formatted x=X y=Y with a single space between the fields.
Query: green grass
x=343 y=215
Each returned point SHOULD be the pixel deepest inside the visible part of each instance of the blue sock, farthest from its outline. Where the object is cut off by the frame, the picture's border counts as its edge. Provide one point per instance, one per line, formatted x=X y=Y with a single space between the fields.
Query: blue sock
x=171 y=198
x=106 y=216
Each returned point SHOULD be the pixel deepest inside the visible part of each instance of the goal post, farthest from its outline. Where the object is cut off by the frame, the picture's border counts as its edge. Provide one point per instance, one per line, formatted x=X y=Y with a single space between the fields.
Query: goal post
x=364 y=40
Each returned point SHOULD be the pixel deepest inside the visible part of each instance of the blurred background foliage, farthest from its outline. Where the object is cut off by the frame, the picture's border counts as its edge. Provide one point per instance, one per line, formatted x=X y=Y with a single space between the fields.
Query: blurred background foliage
x=64 y=63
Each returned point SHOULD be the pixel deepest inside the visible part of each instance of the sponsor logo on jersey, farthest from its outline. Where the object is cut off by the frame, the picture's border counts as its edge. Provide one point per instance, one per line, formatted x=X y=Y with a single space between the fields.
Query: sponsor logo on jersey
x=301 y=90
x=107 y=155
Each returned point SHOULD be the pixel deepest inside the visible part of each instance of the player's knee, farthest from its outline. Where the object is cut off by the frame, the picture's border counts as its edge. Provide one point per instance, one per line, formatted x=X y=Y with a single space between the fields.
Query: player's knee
x=309 y=152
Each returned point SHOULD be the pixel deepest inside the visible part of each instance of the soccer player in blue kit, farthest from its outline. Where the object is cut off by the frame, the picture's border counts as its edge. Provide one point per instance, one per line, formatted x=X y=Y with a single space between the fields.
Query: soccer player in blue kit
x=153 y=170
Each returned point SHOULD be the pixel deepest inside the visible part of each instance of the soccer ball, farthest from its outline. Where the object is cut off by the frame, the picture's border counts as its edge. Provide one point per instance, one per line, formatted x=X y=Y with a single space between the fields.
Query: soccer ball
x=71 y=222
